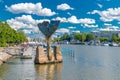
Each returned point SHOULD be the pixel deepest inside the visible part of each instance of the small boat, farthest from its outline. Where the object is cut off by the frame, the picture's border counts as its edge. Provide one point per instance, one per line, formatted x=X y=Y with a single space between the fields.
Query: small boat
x=104 y=44
x=113 y=44
x=25 y=56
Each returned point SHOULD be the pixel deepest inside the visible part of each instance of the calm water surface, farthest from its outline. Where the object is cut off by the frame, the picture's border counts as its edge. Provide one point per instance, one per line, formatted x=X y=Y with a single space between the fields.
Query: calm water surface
x=80 y=63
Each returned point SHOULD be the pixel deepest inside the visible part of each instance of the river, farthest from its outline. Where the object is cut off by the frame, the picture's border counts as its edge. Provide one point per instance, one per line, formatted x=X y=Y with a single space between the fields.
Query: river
x=79 y=63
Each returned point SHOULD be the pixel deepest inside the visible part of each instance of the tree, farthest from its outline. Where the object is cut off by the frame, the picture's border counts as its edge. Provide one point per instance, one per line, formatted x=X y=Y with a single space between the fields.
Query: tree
x=103 y=39
x=90 y=37
x=66 y=36
x=114 y=38
x=77 y=36
x=9 y=36
x=21 y=35
x=83 y=36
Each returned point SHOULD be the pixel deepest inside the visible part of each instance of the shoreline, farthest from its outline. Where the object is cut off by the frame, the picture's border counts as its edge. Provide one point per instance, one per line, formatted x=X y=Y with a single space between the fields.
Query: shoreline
x=8 y=52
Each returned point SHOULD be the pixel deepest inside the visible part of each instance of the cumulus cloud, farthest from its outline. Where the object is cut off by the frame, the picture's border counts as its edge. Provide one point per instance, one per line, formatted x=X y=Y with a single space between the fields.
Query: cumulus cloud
x=63 y=19
x=30 y=8
x=106 y=24
x=76 y=31
x=118 y=22
x=87 y=21
x=73 y=19
x=89 y=26
x=71 y=27
x=64 y=6
x=25 y=23
x=62 y=30
x=108 y=15
x=110 y=28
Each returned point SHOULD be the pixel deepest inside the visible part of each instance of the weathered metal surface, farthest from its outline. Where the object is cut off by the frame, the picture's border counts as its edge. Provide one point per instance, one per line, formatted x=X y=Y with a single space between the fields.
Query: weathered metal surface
x=48 y=28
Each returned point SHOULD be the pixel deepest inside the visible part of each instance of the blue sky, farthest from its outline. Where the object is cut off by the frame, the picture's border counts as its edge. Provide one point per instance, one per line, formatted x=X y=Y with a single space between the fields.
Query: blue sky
x=75 y=15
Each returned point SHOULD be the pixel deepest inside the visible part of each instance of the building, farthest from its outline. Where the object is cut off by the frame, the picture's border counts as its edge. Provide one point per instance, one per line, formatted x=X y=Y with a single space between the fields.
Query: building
x=108 y=34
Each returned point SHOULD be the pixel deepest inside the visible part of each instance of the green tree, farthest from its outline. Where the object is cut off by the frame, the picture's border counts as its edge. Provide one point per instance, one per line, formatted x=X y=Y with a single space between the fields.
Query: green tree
x=83 y=37
x=103 y=39
x=9 y=36
x=21 y=35
x=77 y=36
x=114 y=38
x=90 y=37
x=66 y=36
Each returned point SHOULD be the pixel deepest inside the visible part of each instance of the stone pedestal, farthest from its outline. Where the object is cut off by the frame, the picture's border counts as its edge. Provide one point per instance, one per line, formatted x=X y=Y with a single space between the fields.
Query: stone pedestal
x=41 y=56
x=57 y=54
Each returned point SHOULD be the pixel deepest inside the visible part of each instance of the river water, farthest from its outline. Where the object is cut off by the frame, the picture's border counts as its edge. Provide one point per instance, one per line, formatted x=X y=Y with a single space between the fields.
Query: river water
x=79 y=63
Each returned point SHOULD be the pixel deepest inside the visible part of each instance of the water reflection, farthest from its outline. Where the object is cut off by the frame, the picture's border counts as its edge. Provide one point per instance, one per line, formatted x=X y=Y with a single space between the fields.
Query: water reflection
x=88 y=63
x=49 y=71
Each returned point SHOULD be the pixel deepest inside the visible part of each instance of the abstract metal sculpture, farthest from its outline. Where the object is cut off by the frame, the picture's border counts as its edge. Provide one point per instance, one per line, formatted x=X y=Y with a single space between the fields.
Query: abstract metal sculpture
x=48 y=29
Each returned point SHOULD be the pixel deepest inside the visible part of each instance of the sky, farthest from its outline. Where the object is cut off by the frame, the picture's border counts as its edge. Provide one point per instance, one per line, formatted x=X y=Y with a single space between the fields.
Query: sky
x=74 y=15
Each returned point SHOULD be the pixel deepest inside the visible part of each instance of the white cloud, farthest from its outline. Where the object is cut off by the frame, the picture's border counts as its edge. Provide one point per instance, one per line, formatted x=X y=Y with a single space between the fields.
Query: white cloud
x=62 y=30
x=61 y=19
x=87 y=21
x=30 y=8
x=27 y=31
x=108 y=15
x=73 y=19
x=106 y=24
x=71 y=27
x=110 y=28
x=118 y=22
x=25 y=22
x=69 y=13
x=76 y=31
x=89 y=26
x=64 y=6
x=99 y=5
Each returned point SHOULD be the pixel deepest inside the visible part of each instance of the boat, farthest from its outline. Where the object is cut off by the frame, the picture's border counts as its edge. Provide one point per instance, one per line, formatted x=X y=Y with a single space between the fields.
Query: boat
x=113 y=44
x=25 y=56
x=105 y=44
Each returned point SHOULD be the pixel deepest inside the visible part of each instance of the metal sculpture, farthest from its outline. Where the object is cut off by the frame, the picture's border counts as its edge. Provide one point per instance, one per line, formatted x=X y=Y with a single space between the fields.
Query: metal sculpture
x=48 y=28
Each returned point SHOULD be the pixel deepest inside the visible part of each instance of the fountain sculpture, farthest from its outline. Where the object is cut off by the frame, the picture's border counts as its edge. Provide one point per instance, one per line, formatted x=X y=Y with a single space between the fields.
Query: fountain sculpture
x=51 y=56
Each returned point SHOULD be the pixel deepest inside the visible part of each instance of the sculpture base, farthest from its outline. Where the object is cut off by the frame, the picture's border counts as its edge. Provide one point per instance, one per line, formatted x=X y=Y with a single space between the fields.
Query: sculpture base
x=41 y=56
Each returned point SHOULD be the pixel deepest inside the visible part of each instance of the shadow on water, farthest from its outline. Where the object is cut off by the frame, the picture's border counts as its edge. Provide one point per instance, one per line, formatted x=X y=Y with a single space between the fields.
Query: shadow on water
x=48 y=71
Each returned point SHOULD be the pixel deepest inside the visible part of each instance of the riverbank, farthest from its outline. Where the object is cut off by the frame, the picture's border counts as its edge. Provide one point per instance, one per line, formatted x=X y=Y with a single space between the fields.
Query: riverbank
x=8 y=52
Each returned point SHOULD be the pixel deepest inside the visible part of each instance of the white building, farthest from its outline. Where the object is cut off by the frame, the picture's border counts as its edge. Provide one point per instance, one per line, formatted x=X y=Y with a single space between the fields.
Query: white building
x=108 y=34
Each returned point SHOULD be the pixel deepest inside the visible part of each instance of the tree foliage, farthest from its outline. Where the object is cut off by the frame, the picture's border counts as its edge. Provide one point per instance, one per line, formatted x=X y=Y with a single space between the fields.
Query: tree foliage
x=90 y=37
x=80 y=37
x=83 y=37
x=103 y=39
x=77 y=36
x=9 y=36
x=114 y=38
x=66 y=36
